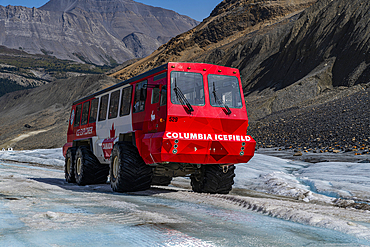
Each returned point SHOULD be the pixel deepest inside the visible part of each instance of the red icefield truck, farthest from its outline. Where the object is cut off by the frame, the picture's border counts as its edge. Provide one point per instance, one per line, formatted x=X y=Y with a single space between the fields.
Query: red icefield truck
x=179 y=119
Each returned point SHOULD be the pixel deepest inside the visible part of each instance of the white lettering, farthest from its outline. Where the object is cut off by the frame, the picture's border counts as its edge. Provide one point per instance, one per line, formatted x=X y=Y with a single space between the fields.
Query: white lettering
x=84 y=131
x=168 y=135
x=108 y=145
x=187 y=136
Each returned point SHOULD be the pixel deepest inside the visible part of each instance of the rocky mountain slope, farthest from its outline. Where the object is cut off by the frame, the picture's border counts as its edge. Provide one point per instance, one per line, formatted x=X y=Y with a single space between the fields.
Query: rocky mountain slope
x=91 y=31
x=38 y=117
x=299 y=69
x=20 y=70
x=286 y=58
x=213 y=40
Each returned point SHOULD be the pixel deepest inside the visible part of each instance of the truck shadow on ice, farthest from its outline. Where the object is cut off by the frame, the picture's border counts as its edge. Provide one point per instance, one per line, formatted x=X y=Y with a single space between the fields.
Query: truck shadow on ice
x=100 y=188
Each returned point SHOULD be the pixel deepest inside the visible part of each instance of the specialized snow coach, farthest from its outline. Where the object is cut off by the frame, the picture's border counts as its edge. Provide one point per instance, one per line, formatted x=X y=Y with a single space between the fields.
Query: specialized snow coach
x=179 y=119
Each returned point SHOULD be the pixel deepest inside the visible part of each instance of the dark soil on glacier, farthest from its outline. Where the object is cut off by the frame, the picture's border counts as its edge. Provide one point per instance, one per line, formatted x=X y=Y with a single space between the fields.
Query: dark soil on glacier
x=339 y=126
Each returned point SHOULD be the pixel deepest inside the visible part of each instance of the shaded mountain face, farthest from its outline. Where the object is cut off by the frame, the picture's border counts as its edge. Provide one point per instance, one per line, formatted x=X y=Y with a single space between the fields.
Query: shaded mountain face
x=211 y=41
x=290 y=53
x=91 y=31
x=336 y=33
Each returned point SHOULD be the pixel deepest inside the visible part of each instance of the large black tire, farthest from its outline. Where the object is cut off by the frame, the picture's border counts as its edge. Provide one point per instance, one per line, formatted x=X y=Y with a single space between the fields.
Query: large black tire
x=161 y=180
x=88 y=169
x=128 y=171
x=213 y=179
x=69 y=165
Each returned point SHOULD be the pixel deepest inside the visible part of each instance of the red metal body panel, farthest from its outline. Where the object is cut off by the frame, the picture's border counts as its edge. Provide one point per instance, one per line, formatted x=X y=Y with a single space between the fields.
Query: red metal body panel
x=222 y=135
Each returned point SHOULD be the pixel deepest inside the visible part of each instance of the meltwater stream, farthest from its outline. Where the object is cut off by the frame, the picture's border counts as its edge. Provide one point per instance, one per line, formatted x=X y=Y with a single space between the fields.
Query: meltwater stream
x=37 y=208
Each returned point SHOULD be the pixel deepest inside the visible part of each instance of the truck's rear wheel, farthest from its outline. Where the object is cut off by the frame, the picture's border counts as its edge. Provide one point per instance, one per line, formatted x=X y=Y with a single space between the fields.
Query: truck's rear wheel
x=88 y=169
x=213 y=179
x=69 y=165
x=128 y=171
x=161 y=180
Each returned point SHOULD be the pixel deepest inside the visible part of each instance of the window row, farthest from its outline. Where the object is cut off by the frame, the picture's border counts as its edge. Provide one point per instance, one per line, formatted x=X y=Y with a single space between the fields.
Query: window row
x=112 y=111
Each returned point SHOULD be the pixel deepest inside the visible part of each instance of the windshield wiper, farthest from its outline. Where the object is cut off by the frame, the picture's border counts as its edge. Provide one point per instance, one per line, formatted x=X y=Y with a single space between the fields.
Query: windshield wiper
x=225 y=108
x=183 y=100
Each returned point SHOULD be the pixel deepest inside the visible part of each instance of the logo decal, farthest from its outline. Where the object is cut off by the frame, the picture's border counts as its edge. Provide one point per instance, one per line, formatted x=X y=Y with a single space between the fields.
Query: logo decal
x=107 y=146
x=84 y=131
x=152 y=116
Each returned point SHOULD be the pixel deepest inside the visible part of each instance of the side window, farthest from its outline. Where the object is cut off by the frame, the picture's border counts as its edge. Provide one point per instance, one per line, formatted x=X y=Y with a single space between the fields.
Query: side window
x=140 y=96
x=163 y=96
x=85 y=113
x=103 y=107
x=113 y=104
x=78 y=115
x=155 y=95
x=126 y=101
x=94 y=110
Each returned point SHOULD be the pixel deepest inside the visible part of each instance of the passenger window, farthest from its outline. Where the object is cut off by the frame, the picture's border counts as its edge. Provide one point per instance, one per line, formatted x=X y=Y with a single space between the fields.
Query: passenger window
x=78 y=115
x=140 y=96
x=126 y=101
x=103 y=107
x=163 y=96
x=113 y=104
x=94 y=110
x=155 y=95
x=85 y=112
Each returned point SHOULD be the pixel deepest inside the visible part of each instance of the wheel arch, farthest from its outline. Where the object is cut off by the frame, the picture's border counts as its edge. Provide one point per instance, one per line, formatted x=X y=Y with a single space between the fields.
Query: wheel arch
x=84 y=142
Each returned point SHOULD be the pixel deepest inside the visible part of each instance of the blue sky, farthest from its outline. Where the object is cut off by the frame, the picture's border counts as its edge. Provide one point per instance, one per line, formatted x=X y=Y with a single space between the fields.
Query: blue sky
x=196 y=9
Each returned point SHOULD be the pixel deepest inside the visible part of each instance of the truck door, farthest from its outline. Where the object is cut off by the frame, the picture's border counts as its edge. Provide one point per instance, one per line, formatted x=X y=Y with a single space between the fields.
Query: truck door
x=157 y=106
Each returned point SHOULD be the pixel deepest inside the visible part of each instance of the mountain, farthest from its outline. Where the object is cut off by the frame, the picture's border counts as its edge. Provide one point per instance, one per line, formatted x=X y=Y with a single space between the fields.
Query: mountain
x=20 y=70
x=289 y=54
x=38 y=117
x=230 y=26
x=304 y=66
x=91 y=31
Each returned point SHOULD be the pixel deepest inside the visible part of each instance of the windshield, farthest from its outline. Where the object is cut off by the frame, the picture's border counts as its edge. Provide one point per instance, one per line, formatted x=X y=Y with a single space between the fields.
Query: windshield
x=190 y=85
x=224 y=89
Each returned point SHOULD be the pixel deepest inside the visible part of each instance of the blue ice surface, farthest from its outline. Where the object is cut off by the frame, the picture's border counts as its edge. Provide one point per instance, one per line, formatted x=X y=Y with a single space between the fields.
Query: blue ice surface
x=205 y=226
x=4 y=164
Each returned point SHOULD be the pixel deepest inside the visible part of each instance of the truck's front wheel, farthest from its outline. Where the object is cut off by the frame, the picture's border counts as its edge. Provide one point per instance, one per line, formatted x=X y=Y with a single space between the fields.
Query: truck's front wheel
x=128 y=171
x=213 y=179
